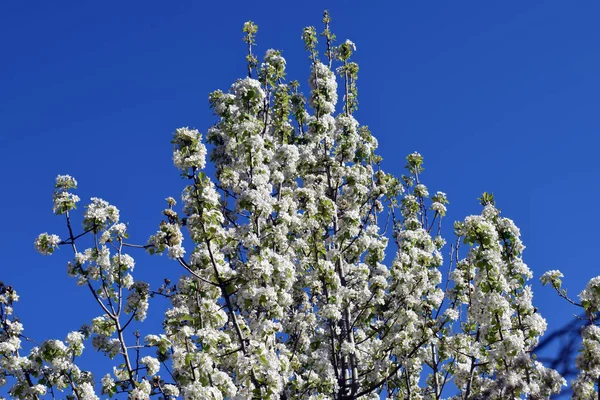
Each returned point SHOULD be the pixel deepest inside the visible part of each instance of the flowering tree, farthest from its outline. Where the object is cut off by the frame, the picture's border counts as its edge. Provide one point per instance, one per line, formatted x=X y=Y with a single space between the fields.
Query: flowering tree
x=286 y=290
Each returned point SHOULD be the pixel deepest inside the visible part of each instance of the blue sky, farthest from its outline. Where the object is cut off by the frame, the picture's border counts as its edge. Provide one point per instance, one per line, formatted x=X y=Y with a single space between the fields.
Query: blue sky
x=497 y=96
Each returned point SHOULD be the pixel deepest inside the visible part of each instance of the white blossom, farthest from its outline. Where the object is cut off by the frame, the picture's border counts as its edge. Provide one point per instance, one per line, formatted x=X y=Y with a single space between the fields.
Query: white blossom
x=46 y=243
x=152 y=365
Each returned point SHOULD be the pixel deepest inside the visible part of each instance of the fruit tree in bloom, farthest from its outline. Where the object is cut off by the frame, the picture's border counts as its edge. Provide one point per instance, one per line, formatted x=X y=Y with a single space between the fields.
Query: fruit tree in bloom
x=300 y=270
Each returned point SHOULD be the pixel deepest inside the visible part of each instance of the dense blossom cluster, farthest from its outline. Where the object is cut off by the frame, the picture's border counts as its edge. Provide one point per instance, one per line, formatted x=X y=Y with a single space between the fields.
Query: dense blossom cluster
x=587 y=383
x=286 y=291
x=47 y=367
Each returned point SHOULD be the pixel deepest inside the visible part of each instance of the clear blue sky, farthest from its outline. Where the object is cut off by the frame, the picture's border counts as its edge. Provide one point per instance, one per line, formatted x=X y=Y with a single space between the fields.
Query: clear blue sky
x=497 y=96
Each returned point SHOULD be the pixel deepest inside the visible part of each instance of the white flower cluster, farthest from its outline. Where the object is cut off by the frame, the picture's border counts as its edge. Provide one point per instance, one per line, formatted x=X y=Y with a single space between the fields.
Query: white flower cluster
x=248 y=93
x=117 y=232
x=99 y=213
x=109 y=386
x=590 y=296
x=137 y=301
x=273 y=67
x=189 y=151
x=47 y=243
x=169 y=238
x=65 y=182
x=152 y=365
x=141 y=392
x=63 y=199
x=324 y=89
x=552 y=277
x=75 y=343
x=274 y=58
